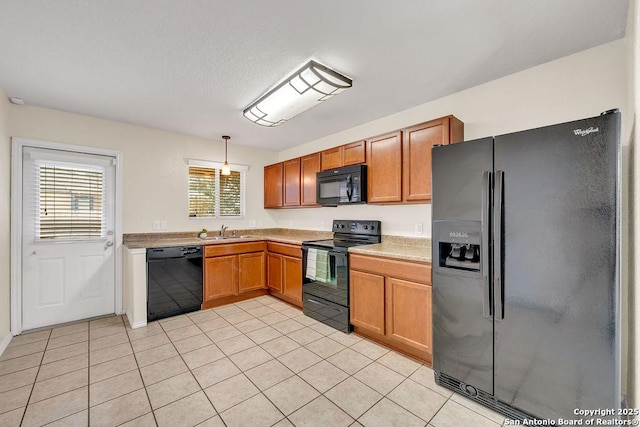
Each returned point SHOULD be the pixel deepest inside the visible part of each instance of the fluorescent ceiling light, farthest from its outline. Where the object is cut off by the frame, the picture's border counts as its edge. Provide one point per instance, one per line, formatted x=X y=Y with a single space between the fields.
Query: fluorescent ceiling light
x=306 y=87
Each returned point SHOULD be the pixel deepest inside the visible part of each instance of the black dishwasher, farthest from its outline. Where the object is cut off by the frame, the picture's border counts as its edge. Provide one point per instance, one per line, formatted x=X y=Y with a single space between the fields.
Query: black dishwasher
x=174 y=281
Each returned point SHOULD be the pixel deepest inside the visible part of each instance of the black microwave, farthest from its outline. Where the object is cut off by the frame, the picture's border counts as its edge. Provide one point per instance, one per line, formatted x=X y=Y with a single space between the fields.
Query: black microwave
x=342 y=186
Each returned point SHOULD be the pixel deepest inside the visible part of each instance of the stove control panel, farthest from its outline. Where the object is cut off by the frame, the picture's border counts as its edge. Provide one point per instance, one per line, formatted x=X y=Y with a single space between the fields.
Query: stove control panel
x=343 y=226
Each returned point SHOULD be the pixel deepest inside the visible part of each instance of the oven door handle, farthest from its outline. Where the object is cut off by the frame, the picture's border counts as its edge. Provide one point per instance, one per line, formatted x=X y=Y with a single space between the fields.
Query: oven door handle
x=314 y=301
x=305 y=249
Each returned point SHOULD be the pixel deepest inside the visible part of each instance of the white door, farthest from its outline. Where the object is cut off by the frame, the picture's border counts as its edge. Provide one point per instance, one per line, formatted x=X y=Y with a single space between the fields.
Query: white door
x=68 y=263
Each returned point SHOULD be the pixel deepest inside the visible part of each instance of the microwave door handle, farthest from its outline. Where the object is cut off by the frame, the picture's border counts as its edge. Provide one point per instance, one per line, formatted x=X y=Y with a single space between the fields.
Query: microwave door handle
x=349 y=187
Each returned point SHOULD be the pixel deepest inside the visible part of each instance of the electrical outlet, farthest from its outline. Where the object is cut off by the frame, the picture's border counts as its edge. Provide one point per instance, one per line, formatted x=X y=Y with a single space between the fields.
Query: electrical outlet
x=260 y=223
x=156 y=225
x=321 y=225
x=252 y=223
x=418 y=228
x=164 y=225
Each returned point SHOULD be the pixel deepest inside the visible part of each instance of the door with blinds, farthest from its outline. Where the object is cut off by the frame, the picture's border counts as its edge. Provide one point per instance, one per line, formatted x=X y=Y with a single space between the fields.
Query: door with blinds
x=68 y=265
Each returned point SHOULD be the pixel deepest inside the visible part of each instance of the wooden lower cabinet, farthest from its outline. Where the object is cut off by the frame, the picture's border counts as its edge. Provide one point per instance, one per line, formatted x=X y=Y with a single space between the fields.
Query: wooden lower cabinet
x=366 y=293
x=391 y=303
x=274 y=272
x=409 y=313
x=221 y=277
x=251 y=271
x=292 y=278
x=233 y=272
x=284 y=272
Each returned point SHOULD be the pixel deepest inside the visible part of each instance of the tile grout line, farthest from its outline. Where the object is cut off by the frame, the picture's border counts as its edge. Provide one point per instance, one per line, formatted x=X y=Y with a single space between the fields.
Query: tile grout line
x=249 y=379
x=135 y=358
x=295 y=374
x=26 y=406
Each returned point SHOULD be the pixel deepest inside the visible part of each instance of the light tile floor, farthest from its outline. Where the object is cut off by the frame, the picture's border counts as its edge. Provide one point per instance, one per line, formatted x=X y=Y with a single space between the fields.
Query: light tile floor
x=257 y=363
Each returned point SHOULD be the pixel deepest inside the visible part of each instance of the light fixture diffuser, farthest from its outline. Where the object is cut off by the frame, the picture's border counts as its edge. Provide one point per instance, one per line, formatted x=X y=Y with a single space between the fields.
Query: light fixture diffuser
x=306 y=87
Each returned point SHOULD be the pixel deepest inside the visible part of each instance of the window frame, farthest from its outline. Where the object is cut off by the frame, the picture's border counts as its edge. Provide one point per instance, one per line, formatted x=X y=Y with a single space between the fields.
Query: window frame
x=217 y=166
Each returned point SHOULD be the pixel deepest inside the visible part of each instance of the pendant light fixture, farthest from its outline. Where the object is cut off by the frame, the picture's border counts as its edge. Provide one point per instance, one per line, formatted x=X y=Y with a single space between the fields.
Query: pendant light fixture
x=225 y=168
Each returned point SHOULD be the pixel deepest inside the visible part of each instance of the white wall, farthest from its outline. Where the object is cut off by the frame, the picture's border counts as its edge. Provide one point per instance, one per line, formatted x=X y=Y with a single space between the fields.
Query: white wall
x=573 y=87
x=154 y=165
x=5 y=230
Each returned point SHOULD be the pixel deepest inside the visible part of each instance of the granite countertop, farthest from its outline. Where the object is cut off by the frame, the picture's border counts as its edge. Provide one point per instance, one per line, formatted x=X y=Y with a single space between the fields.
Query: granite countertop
x=397 y=247
x=160 y=240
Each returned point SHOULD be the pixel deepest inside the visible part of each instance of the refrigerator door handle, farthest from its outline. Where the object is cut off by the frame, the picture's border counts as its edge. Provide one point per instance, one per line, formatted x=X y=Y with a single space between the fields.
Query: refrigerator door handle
x=487 y=306
x=498 y=282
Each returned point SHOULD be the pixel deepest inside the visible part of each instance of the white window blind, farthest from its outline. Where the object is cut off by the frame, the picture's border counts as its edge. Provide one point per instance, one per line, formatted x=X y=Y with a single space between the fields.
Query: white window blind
x=230 y=194
x=213 y=195
x=70 y=201
x=202 y=192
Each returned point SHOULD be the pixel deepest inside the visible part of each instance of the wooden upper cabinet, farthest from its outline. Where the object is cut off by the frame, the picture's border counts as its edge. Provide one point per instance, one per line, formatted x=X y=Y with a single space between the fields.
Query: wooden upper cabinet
x=417 y=144
x=354 y=153
x=384 y=168
x=292 y=182
x=344 y=155
x=331 y=158
x=273 y=177
x=409 y=313
x=251 y=272
x=366 y=295
x=398 y=164
x=309 y=167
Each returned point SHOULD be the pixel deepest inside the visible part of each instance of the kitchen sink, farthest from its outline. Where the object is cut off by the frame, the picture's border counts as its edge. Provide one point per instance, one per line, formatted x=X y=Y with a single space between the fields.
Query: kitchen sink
x=246 y=236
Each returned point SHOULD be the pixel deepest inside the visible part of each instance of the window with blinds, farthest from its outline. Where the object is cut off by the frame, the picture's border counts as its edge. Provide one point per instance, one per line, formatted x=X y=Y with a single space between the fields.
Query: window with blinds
x=202 y=192
x=70 y=202
x=214 y=195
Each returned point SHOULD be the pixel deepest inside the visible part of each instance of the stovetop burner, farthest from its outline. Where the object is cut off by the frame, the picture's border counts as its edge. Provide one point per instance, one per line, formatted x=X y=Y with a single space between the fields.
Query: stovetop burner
x=349 y=233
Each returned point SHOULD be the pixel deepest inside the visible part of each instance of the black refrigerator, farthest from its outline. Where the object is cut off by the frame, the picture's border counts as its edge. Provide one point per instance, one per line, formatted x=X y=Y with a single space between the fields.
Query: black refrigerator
x=526 y=269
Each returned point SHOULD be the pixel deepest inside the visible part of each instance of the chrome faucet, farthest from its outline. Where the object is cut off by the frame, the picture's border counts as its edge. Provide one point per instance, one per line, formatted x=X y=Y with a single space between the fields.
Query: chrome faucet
x=222 y=230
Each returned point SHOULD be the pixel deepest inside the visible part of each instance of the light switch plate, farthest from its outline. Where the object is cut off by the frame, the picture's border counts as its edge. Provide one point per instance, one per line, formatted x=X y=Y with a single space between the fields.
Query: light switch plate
x=164 y=225
x=418 y=228
x=156 y=225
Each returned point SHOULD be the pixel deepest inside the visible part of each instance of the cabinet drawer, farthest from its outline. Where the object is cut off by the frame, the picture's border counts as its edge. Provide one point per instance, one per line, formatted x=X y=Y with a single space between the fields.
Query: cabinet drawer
x=416 y=272
x=233 y=249
x=285 y=249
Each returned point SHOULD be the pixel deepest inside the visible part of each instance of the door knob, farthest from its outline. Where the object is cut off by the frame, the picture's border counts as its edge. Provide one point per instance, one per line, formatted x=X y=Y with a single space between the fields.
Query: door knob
x=108 y=244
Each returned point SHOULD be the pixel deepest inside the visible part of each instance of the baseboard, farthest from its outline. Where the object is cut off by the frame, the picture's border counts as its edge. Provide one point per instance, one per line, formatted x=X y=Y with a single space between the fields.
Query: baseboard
x=5 y=343
x=135 y=325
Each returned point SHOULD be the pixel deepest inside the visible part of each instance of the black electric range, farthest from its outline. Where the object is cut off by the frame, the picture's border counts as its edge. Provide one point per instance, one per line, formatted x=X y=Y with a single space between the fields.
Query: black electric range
x=325 y=271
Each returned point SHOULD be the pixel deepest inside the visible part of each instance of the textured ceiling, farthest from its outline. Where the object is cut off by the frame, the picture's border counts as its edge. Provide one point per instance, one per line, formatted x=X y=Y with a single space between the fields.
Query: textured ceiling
x=193 y=66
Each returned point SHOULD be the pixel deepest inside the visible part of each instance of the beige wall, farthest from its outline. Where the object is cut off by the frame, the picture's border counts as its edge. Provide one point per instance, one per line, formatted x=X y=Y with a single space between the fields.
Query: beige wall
x=5 y=231
x=154 y=165
x=573 y=87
